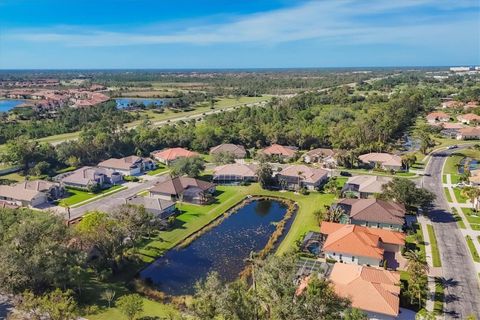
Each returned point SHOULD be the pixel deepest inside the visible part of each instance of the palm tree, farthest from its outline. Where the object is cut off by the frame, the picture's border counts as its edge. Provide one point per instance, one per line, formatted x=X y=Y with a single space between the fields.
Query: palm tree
x=414 y=257
x=335 y=214
x=471 y=193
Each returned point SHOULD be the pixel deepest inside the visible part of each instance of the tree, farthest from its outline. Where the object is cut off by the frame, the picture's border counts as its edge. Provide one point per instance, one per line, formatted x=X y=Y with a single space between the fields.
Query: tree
x=207 y=299
x=108 y=295
x=406 y=192
x=264 y=173
x=56 y=305
x=331 y=186
x=426 y=141
x=130 y=305
x=355 y=314
x=471 y=193
x=223 y=157
x=417 y=282
x=409 y=160
x=334 y=214
x=190 y=166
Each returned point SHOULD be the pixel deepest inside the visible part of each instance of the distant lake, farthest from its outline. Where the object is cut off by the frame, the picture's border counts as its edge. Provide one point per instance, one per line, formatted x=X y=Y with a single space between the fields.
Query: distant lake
x=222 y=249
x=127 y=102
x=9 y=104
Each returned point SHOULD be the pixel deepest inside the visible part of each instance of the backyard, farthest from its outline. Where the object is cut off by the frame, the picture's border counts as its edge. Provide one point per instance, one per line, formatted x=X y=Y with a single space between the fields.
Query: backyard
x=74 y=196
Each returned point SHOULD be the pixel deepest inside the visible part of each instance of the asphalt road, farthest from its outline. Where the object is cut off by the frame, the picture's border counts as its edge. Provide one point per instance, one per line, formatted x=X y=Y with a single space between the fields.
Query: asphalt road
x=462 y=293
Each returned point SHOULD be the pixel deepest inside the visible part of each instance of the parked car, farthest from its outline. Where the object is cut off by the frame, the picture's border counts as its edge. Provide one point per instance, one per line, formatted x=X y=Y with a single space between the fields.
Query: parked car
x=460 y=185
x=452 y=147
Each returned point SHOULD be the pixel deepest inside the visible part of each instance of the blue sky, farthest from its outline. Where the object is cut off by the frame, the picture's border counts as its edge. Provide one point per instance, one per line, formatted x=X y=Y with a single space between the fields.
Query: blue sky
x=237 y=33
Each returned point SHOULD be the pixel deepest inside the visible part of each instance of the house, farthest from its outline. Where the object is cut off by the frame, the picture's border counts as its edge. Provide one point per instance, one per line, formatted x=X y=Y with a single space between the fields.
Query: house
x=372 y=290
x=365 y=186
x=468 y=118
x=439 y=116
x=282 y=152
x=385 y=161
x=236 y=150
x=470 y=133
x=451 y=129
x=88 y=177
x=374 y=213
x=53 y=190
x=168 y=156
x=22 y=197
x=452 y=104
x=298 y=176
x=234 y=173
x=129 y=166
x=185 y=189
x=324 y=156
x=471 y=105
x=352 y=244
x=160 y=208
x=474 y=178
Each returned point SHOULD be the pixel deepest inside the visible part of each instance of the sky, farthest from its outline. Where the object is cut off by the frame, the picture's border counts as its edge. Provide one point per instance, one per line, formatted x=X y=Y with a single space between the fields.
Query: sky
x=104 y=34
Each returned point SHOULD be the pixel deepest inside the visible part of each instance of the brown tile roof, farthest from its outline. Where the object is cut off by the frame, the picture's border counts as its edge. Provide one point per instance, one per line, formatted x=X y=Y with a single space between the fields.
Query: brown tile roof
x=437 y=115
x=171 y=154
x=150 y=202
x=175 y=186
x=36 y=185
x=237 y=150
x=304 y=172
x=276 y=149
x=374 y=210
x=369 y=289
x=381 y=157
x=358 y=240
x=369 y=184
x=470 y=131
x=468 y=117
x=123 y=163
x=236 y=169
x=321 y=152
x=18 y=193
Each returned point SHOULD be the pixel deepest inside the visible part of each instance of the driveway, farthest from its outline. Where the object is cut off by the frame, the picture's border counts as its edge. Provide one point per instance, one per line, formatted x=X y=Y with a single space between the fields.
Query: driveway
x=462 y=293
x=108 y=202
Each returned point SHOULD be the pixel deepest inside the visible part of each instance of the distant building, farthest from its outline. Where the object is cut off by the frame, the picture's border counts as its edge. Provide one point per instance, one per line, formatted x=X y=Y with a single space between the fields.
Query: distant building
x=160 y=208
x=385 y=161
x=324 y=156
x=470 y=133
x=185 y=189
x=282 y=152
x=460 y=69
x=129 y=166
x=89 y=177
x=468 y=118
x=30 y=193
x=235 y=172
x=237 y=151
x=438 y=116
x=169 y=155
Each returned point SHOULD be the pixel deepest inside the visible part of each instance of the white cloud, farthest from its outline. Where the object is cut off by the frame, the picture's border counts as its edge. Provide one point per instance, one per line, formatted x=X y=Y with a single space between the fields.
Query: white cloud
x=336 y=20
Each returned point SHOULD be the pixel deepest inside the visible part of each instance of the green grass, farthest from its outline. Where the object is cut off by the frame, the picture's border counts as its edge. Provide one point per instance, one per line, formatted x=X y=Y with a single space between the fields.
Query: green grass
x=472 y=217
x=458 y=195
x=475 y=227
x=195 y=217
x=415 y=241
x=341 y=181
x=458 y=219
x=152 y=309
x=472 y=248
x=444 y=179
x=433 y=244
x=447 y=195
x=438 y=298
x=77 y=196
x=160 y=169
x=451 y=166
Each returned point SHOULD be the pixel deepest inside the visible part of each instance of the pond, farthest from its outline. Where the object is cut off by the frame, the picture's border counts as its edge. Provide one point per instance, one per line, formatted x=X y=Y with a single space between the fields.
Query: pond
x=222 y=249
x=9 y=104
x=131 y=102
x=472 y=164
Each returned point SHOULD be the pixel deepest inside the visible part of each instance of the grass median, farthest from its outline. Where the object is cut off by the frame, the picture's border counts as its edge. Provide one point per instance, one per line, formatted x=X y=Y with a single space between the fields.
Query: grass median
x=433 y=244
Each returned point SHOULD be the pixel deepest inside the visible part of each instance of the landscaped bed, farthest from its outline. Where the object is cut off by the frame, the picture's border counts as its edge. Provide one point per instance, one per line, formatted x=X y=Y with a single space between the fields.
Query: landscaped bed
x=472 y=248
x=433 y=244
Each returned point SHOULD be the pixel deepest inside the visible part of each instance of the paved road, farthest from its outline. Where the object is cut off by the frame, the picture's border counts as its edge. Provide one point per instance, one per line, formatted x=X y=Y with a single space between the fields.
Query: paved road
x=108 y=202
x=463 y=290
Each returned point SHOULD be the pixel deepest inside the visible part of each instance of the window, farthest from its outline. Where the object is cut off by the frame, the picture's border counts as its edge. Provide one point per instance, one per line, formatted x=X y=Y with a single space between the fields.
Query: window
x=353 y=258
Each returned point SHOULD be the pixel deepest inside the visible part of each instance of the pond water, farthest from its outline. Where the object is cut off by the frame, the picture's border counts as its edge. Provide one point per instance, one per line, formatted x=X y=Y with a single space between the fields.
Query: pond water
x=472 y=165
x=222 y=249
x=127 y=102
x=9 y=104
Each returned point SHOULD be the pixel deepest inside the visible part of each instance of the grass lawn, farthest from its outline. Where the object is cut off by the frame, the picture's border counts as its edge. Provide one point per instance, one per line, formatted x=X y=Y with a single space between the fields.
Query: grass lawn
x=415 y=241
x=458 y=195
x=451 y=166
x=447 y=195
x=77 y=196
x=472 y=248
x=475 y=227
x=160 y=169
x=433 y=243
x=151 y=309
x=472 y=217
x=444 y=178
x=438 y=298
x=195 y=217
x=458 y=219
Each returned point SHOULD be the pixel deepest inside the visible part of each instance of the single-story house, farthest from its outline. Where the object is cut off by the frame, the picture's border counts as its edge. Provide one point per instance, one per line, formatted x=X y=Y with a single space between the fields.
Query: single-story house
x=365 y=186
x=385 y=161
x=129 y=166
x=298 y=176
x=374 y=213
x=372 y=290
x=451 y=129
x=452 y=104
x=471 y=105
x=438 y=116
x=22 y=197
x=354 y=244
x=168 y=156
x=282 y=152
x=324 y=156
x=160 y=208
x=468 y=118
x=236 y=150
x=88 y=177
x=185 y=189
x=470 y=133
x=235 y=172
x=53 y=190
